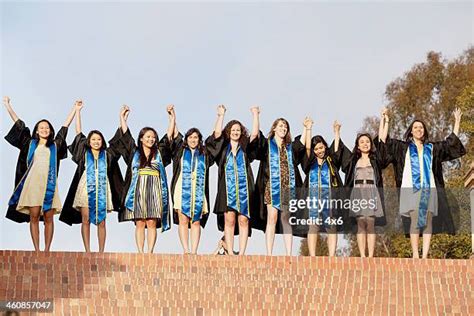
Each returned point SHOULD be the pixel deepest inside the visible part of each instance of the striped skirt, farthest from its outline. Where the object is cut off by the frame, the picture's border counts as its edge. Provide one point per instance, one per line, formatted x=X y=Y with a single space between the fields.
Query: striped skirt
x=148 y=197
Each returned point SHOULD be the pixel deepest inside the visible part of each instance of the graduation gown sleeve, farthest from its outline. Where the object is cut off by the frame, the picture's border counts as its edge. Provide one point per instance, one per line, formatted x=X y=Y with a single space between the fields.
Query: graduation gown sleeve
x=450 y=148
x=164 y=146
x=214 y=147
x=60 y=141
x=19 y=135
x=124 y=145
x=77 y=149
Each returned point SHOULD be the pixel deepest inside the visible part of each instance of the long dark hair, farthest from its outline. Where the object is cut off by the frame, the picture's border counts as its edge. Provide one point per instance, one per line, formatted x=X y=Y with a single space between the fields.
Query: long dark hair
x=409 y=136
x=319 y=139
x=243 y=131
x=200 y=146
x=271 y=134
x=356 y=149
x=50 y=139
x=144 y=161
x=89 y=136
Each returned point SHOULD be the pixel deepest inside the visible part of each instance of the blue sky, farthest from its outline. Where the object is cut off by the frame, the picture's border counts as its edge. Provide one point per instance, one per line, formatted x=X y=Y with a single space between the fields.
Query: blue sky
x=327 y=60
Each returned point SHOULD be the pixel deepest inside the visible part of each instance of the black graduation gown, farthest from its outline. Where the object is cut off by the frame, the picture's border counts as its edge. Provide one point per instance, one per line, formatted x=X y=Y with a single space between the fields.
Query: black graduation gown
x=337 y=190
x=379 y=161
x=124 y=144
x=448 y=149
x=70 y=215
x=20 y=137
x=177 y=151
x=217 y=149
x=298 y=149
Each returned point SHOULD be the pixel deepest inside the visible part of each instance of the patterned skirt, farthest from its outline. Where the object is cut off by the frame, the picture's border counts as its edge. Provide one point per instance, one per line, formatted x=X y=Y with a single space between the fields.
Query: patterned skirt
x=148 y=197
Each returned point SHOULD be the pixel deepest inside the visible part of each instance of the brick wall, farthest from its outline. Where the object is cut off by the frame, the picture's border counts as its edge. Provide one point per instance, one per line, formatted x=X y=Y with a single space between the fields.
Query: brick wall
x=128 y=284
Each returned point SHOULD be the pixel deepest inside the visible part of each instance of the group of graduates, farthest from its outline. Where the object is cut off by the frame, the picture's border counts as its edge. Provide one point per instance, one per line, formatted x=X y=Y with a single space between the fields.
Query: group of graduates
x=241 y=203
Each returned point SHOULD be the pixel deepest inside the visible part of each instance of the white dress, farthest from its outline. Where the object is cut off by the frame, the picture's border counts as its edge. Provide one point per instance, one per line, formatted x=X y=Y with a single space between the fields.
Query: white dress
x=408 y=199
x=34 y=188
x=81 y=198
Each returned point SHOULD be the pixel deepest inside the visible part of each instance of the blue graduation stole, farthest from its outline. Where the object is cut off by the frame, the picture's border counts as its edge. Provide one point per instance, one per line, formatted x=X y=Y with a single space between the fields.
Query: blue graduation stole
x=421 y=184
x=130 y=198
x=236 y=181
x=96 y=186
x=52 y=176
x=192 y=197
x=319 y=188
x=274 y=166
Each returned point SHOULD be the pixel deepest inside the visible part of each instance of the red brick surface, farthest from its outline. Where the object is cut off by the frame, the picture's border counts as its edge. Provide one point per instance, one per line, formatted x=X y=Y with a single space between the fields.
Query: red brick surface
x=130 y=284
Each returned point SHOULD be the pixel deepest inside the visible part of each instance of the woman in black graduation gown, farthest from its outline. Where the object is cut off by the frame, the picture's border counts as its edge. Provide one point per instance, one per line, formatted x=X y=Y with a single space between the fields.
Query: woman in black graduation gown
x=96 y=187
x=321 y=165
x=418 y=170
x=277 y=183
x=36 y=191
x=145 y=198
x=364 y=182
x=233 y=151
x=190 y=186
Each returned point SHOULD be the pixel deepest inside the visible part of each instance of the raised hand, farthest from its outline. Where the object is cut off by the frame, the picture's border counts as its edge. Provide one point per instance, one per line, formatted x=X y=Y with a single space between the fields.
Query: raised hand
x=336 y=126
x=255 y=110
x=457 y=114
x=170 y=110
x=221 y=110
x=308 y=122
x=7 y=101
x=8 y=105
x=124 y=112
x=78 y=105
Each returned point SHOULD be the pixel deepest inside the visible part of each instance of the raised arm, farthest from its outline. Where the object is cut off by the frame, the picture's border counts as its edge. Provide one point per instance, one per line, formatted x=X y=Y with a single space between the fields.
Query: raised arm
x=307 y=134
x=255 y=122
x=171 y=122
x=308 y=124
x=457 y=121
x=124 y=112
x=79 y=105
x=337 y=135
x=219 y=121
x=176 y=129
x=71 y=115
x=383 y=126
x=8 y=106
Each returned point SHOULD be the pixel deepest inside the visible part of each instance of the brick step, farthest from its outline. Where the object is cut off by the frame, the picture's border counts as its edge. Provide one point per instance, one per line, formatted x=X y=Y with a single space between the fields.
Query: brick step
x=218 y=285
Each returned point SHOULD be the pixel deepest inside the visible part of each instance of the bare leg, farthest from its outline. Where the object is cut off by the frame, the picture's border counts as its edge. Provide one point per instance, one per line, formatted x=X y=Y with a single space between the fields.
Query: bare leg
x=272 y=217
x=86 y=228
x=427 y=235
x=312 y=239
x=361 y=235
x=183 y=231
x=229 y=227
x=101 y=234
x=287 y=232
x=195 y=236
x=371 y=236
x=34 y=226
x=243 y=233
x=332 y=241
x=48 y=229
x=140 y=234
x=414 y=234
x=151 y=234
